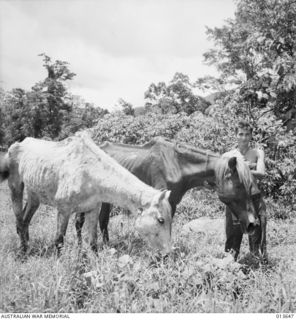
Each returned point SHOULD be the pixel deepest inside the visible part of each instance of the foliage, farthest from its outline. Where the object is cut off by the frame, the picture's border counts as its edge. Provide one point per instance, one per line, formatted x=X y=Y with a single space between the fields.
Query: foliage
x=127 y=108
x=178 y=96
x=255 y=52
x=82 y=116
x=197 y=129
x=2 y=132
x=41 y=111
x=118 y=127
x=49 y=97
x=47 y=111
x=17 y=116
x=2 y=117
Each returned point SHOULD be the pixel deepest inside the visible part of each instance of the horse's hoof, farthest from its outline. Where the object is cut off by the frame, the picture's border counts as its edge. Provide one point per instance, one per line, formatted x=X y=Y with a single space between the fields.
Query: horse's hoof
x=58 y=251
x=22 y=256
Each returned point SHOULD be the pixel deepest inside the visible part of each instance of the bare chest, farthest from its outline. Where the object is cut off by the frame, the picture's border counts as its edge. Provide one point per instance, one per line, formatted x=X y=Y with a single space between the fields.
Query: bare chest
x=251 y=156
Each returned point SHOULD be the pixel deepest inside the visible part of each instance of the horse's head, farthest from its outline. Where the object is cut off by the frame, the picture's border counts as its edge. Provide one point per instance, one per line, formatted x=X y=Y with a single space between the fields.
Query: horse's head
x=235 y=181
x=155 y=222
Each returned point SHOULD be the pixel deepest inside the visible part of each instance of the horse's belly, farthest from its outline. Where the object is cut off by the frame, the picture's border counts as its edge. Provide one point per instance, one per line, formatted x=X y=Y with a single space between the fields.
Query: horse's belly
x=44 y=187
x=86 y=204
x=78 y=197
x=45 y=196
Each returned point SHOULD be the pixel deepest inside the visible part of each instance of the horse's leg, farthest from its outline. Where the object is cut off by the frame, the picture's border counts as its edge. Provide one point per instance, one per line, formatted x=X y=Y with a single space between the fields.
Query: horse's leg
x=104 y=220
x=17 y=189
x=257 y=241
x=29 y=210
x=62 y=224
x=263 y=249
x=92 y=226
x=79 y=221
x=263 y=222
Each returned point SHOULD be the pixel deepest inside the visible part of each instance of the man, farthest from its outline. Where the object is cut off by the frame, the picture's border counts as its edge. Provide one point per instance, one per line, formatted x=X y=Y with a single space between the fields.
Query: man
x=234 y=234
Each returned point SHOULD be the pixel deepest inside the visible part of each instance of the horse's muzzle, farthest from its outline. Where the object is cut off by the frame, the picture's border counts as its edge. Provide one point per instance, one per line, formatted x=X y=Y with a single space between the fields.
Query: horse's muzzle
x=166 y=250
x=251 y=228
x=252 y=224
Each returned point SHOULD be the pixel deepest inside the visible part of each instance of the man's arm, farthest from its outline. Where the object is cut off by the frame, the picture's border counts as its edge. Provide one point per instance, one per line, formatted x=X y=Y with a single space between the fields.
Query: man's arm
x=260 y=168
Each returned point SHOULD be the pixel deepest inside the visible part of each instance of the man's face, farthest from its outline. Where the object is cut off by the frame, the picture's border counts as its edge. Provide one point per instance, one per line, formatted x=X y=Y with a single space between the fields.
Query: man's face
x=243 y=136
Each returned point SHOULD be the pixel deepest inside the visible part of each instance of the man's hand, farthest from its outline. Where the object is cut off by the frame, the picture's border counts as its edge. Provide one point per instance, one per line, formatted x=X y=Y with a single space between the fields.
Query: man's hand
x=251 y=165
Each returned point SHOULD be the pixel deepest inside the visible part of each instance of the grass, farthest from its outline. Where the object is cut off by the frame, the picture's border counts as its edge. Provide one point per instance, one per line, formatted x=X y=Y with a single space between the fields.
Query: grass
x=127 y=277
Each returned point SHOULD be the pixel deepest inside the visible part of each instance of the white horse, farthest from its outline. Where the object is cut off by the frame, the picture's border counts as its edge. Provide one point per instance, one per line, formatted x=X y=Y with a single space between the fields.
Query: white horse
x=75 y=175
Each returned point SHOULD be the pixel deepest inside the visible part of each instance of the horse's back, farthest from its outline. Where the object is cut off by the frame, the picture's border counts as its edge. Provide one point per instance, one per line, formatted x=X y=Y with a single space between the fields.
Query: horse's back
x=74 y=172
x=155 y=162
x=136 y=160
x=43 y=165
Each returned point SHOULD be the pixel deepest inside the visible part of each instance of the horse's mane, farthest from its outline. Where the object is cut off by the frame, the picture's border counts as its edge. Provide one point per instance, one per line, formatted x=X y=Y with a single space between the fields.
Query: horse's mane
x=128 y=146
x=190 y=151
x=242 y=168
x=179 y=147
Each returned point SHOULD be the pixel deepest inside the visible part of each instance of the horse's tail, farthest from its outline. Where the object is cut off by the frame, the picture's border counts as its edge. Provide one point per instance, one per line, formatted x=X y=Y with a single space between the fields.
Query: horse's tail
x=4 y=167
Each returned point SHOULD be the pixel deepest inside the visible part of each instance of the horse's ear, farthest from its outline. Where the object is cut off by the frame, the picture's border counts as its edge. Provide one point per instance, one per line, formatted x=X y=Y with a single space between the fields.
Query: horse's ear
x=165 y=194
x=232 y=164
x=162 y=195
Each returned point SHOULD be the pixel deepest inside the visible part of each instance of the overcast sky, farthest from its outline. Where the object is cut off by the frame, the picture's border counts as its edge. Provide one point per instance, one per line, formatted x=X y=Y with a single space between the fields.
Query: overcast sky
x=117 y=48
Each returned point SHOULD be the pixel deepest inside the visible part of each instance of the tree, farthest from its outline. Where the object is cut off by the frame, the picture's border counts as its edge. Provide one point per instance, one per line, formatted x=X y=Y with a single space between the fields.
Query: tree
x=176 y=97
x=2 y=130
x=40 y=112
x=83 y=115
x=127 y=107
x=2 y=117
x=48 y=98
x=255 y=53
x=17 y=116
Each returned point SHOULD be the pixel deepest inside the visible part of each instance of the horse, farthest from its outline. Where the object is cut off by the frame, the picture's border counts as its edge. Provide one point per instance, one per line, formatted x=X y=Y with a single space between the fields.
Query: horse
x=178 y=167
x=75 y=175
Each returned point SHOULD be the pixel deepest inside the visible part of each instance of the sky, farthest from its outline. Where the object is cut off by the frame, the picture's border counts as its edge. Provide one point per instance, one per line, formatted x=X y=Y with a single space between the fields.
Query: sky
x=117 y=48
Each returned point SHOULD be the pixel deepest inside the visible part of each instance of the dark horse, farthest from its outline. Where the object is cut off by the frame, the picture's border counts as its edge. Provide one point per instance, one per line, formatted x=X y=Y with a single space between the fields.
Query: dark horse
x=178 y=167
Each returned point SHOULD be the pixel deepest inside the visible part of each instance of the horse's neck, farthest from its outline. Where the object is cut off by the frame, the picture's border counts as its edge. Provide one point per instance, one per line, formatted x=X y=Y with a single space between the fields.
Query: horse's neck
x=126 y=190
x=139 y=198
x=195 y=173
x=123 y=188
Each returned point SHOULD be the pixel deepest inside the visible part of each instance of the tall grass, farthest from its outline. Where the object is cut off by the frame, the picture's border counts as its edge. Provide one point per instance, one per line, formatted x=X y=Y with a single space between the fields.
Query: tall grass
x=127 y=276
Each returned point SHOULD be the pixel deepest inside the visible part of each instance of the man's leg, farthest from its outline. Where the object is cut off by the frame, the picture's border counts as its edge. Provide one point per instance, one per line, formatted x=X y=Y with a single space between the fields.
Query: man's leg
x=234 y=234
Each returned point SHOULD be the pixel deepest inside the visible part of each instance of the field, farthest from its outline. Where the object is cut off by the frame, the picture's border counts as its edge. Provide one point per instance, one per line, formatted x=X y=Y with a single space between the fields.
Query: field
x=127 y=277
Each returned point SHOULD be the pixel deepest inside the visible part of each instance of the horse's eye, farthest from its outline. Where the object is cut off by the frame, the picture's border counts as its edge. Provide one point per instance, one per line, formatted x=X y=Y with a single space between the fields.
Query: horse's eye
x=161 y=220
